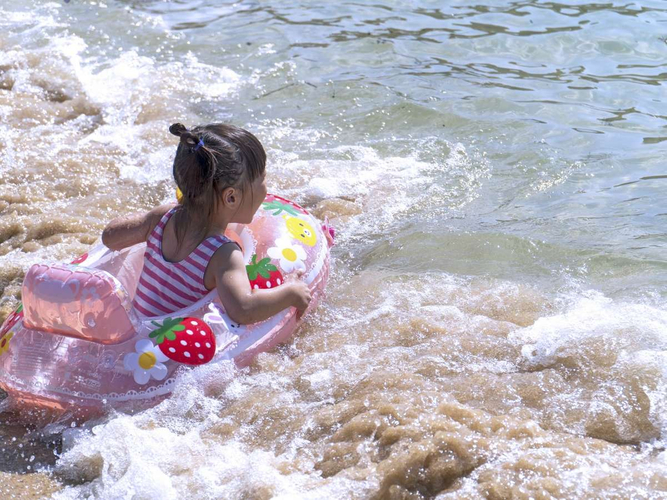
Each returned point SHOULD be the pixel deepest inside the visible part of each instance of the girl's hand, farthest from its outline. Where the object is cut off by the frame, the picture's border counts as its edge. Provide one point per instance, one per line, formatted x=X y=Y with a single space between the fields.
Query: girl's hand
x=300 y=292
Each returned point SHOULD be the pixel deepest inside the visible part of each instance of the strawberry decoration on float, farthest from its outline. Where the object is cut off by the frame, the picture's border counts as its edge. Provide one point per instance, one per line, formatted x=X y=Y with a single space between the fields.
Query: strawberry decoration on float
x=263 y=274
x=280 y=206
x=80 y=259
x=185 y=340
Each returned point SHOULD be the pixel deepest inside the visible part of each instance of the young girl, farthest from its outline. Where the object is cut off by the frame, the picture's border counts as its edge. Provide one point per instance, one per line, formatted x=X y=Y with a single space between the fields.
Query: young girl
x=220 y=169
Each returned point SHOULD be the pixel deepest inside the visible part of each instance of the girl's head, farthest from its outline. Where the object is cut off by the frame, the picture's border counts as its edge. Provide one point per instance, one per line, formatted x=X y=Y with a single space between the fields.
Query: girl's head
x=219 y=166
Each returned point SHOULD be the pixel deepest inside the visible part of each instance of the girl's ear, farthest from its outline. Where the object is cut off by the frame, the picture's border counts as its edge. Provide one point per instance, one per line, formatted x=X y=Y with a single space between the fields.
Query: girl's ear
x=231 y=197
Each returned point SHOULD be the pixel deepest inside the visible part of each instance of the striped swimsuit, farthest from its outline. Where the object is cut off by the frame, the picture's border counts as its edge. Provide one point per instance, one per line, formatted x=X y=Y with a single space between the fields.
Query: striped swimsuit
x=165 y=287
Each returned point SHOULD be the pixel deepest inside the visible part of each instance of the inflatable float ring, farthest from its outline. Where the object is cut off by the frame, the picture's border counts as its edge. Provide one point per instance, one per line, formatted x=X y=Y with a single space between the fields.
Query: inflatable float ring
x=76 y=344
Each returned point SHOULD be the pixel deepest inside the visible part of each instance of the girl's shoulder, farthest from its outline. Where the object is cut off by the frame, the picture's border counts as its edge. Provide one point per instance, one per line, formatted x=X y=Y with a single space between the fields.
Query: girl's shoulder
x=154 y=216
x=224 y=249
x=159 y=211
x=131 y=229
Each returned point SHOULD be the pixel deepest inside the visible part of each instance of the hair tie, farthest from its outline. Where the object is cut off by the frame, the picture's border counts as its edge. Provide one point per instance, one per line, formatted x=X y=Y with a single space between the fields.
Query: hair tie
x=199 y=145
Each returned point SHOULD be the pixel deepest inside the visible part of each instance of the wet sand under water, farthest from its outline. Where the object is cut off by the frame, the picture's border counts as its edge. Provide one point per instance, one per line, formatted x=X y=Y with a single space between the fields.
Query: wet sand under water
x=30 y=486
x=435 y=402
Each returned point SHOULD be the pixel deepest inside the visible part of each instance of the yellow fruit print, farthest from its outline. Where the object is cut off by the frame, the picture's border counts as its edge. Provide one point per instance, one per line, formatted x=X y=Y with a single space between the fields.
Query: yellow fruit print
x=301 y=230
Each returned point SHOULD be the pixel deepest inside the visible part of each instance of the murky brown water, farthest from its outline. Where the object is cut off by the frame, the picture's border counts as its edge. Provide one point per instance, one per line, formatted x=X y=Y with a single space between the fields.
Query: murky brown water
x=496 y=324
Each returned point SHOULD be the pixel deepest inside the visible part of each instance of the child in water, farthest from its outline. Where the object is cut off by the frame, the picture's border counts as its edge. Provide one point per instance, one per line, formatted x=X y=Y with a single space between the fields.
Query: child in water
x=220 y=169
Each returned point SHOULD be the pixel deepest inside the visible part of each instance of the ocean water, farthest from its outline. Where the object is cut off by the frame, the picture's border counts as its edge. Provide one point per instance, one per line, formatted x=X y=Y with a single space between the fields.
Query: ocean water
x=496 y=320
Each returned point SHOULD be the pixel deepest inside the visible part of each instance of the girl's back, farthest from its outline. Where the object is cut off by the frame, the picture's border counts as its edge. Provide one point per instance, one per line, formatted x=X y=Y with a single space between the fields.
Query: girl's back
x=168 y=282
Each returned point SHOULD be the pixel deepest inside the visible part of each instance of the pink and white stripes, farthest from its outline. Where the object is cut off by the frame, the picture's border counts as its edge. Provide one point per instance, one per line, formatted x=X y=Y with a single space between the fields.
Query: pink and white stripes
x=166 y=287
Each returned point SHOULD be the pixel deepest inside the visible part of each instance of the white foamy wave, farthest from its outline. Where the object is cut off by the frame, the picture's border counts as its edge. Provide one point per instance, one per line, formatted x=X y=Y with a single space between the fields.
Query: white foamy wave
x=167 y=452
x=55 y=77
x=138 y=96
x=377 y=188
x=594 y=316
x=622 y=346
x=33 y=21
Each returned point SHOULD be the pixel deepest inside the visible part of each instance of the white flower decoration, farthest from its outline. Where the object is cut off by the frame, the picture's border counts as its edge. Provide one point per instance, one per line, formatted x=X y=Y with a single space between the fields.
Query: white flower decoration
x=147 y=362
x=291 y=257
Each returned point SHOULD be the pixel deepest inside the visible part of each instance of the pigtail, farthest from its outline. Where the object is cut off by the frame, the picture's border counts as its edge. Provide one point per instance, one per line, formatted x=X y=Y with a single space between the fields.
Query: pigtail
x=177 y=129
x=194 y=173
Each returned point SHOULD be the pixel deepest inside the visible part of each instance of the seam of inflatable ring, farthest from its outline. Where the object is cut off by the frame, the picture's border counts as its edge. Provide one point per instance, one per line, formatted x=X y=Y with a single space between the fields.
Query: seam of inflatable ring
x=131 y=395
x=319 y=263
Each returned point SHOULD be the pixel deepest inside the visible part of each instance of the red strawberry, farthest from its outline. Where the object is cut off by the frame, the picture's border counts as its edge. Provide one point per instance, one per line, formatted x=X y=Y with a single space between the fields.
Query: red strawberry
x=80 y=259
x=185 y=340
x=12 y=319
x=263 y=274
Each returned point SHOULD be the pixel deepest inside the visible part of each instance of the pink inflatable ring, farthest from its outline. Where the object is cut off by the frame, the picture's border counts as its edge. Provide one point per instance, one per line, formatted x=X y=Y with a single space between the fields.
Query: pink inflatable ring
x=77 y=345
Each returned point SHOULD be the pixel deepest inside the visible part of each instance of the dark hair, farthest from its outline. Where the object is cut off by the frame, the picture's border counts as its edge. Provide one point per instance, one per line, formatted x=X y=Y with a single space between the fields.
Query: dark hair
x=229 y=157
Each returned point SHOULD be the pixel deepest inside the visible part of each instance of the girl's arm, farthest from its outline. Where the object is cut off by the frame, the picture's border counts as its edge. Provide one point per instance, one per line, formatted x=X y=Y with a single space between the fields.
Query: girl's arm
x=245 y=305
x=129 y=230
